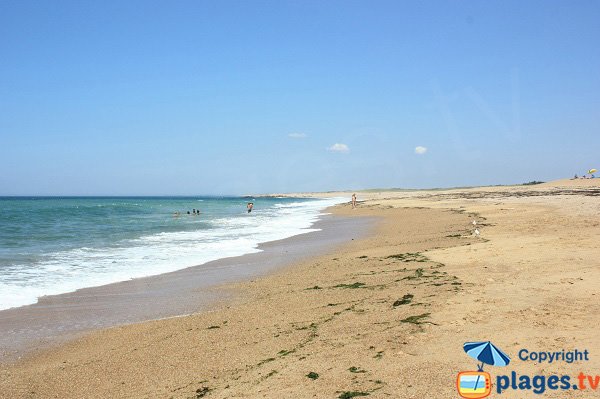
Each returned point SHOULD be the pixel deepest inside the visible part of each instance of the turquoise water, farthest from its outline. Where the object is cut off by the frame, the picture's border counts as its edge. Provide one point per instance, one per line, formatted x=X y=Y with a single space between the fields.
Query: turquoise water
x=55 y=245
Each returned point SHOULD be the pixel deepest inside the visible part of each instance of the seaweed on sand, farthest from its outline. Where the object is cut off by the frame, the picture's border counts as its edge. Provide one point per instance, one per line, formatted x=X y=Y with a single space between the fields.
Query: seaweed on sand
x=354 y=285
x=418 y=274
x=352 y=394
x=312 y=375
x=409 y=257
x=406 y=299
x=417 y=319
x=202 y=392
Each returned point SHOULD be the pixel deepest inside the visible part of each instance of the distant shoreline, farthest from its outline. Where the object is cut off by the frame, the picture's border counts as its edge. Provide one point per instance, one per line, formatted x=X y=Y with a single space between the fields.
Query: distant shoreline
x=555 y=184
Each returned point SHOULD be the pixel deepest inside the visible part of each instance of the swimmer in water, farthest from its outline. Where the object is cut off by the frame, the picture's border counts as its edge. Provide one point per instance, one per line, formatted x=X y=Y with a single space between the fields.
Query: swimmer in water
x=249 y=206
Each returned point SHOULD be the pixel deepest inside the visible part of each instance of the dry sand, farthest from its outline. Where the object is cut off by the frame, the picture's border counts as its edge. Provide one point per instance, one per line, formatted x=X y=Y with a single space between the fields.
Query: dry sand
x=384 y=316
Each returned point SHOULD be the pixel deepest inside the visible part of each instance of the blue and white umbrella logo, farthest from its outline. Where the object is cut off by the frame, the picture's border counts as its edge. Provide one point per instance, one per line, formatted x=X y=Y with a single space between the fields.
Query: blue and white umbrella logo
x=486 y=353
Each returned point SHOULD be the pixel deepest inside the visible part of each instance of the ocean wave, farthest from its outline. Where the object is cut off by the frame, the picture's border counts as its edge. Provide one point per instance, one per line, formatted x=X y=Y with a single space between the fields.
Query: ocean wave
x=66 y=271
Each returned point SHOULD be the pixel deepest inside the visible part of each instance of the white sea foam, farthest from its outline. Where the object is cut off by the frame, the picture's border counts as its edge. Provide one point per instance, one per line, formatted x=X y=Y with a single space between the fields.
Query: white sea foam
x=67 y=271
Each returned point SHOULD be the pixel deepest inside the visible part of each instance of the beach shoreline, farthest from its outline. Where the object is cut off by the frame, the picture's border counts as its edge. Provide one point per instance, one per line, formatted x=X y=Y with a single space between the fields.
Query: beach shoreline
x=59 y=318
x=384 y=316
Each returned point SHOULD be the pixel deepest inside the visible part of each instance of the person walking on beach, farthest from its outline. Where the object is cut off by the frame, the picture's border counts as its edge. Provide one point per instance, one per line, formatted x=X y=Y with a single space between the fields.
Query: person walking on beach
x=353 y=201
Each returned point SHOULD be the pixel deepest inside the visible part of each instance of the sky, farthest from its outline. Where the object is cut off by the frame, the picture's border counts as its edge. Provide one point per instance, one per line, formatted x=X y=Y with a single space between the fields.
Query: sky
x=244 y=97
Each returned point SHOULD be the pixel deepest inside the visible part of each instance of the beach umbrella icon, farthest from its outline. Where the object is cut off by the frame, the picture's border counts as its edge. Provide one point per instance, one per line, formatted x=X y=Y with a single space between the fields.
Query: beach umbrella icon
x=486 y=353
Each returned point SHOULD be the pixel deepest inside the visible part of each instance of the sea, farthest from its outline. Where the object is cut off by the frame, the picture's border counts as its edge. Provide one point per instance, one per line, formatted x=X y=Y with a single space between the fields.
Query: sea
x=55 y=245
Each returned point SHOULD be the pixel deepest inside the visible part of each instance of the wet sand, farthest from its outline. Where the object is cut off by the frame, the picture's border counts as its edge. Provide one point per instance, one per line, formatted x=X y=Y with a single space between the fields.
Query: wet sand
x=59 y=318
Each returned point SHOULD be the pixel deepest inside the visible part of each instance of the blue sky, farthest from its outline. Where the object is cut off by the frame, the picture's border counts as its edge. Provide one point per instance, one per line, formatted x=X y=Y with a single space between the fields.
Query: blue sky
x=235 y=97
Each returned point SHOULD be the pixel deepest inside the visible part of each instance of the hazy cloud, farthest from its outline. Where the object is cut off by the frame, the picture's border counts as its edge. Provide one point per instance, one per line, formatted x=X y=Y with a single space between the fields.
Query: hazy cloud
x=338 y=147
x=297 y=135
x=420 y=150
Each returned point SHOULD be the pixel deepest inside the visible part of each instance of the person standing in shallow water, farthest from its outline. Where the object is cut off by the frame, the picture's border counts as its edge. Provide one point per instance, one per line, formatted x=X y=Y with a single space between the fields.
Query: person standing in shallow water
x=353 y=201
x=249 y=206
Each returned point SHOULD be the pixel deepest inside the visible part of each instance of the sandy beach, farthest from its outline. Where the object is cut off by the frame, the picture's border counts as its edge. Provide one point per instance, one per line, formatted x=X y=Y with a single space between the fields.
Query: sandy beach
x=59 y=318
x=383 y=316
